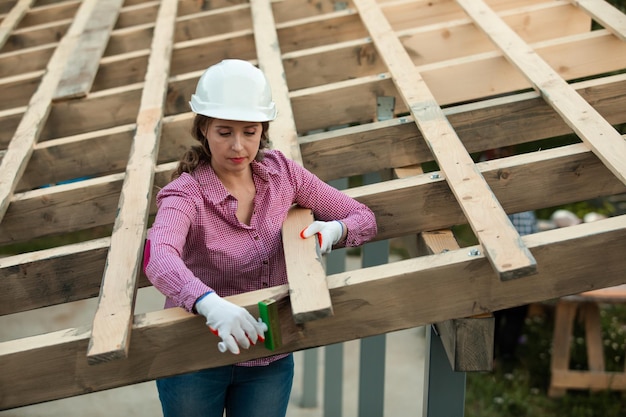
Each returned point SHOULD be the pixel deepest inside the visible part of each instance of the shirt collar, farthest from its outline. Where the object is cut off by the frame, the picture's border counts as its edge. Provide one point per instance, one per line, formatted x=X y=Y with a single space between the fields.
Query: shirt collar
x=213 y=188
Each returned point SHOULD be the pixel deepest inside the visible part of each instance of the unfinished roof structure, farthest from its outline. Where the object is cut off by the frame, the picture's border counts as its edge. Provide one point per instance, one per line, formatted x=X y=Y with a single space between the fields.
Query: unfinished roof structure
x=94 y=115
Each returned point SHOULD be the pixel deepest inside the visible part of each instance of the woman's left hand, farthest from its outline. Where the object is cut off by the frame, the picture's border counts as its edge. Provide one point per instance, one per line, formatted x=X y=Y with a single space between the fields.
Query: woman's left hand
x=328 y=233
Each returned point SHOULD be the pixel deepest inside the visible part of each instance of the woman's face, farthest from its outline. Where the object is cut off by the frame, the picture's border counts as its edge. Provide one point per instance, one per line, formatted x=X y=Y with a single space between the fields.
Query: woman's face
x=233 y=144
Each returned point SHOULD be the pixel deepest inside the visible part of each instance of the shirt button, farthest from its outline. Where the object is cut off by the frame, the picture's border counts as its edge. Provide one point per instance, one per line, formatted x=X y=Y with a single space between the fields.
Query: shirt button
x=265 y=262
x=256 y=238
x=265 y=284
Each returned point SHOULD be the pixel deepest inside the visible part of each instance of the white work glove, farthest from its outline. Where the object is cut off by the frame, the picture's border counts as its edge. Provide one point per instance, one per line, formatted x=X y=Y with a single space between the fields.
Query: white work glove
x=328 y=233
x=233 y=324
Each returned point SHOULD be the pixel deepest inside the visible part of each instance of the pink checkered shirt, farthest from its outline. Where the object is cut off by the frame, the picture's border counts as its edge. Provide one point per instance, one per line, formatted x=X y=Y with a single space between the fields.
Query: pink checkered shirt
x=197 y=244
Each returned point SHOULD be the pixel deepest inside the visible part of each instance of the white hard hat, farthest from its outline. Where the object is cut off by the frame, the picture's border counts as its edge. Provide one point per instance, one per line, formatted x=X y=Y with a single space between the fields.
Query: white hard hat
x=234 y=90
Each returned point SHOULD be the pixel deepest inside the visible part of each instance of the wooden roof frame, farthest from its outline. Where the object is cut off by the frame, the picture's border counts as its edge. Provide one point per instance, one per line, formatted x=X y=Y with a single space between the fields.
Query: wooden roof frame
x=120 y=126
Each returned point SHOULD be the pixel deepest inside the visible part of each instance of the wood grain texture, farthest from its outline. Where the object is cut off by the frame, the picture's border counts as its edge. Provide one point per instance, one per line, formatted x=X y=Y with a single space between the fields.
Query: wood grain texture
x=589 y=125
x=29 y=129
x=82 y=64
x=606 y=14
x=499 y=239
x=308 y=289
x=112 y=322
x=367 y=302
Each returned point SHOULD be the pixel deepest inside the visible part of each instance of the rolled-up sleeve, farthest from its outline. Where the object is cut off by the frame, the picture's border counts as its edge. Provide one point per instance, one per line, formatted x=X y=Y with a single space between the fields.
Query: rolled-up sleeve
x=166 y=239
x=328 y=203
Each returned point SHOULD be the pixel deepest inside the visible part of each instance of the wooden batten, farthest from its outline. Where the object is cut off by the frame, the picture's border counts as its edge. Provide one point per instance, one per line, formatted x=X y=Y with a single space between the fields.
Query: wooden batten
x=78 y=177
x=388 y=297
x=110 y=337
x=498 y=237
x=81 y=66
x=594 y=130
x=10 y=21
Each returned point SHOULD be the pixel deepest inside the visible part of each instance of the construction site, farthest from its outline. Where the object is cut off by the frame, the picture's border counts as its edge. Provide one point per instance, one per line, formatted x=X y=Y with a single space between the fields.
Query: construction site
x=391 y=101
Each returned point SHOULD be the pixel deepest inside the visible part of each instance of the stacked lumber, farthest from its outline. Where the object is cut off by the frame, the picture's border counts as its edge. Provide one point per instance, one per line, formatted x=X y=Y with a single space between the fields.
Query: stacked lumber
x=94 y=116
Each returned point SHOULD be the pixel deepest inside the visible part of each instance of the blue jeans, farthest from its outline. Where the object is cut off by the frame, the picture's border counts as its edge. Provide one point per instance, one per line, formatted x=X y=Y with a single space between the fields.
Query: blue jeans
x=261 y=391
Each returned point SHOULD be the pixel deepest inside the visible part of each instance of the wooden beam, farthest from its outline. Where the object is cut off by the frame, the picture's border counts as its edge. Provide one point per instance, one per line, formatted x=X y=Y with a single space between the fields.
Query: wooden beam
x=596 y=132
x=20 y=149
x=487 y=124
x=110 y=338
x=468 y=342
x=367 y=302
x=499 y=239
x=82 y=64
x=17 y=90
x=490 y=123
x=28 y=60
x=284 y=136
x=92 y=154
x=546 y=178
x=328 y=105
x=579 y=56
x=308 y=290
x=11 y=20
x=605 y=14
x=47 y=13
x=310 y=299
x=37 y=36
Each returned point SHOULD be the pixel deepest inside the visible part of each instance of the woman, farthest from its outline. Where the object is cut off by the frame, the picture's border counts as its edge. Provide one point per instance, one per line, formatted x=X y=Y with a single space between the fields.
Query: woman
x=218 y=233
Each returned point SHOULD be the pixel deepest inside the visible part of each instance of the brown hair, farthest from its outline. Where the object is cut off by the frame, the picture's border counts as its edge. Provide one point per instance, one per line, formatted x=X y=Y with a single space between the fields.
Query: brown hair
x=198 y=154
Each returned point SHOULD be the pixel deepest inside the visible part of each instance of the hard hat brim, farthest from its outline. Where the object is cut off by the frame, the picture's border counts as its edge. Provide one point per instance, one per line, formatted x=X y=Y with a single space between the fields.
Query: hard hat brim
x=237 y=114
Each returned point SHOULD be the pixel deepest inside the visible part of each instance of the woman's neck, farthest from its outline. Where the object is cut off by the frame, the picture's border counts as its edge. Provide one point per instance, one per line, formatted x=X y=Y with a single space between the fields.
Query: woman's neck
x=236 y=180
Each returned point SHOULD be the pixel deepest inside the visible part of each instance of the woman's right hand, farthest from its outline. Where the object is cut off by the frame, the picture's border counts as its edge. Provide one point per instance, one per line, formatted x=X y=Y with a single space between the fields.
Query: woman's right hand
x=232 y=323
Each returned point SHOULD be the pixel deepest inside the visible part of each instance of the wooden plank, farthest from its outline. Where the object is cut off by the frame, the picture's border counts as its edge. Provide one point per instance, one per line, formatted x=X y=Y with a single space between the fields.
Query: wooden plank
x=91 y=203
x=426 y=44
x=499 y=239
x=20 y=149
x=538 y=176
x=93 y=154
x=54 y=276
x=593 y=337
x=582 y=56
x=12 y=19
x=606 y=14
x=395 y=207
x=28 y=59
x=284 y=136
x=561 y=342
x=367 y=302
x=308 y=290
x=596 y=132
x=18 y=90
x=48 y=13
x=82 y=64
x=481 y=126
x=110 y=338
x=37 y=36
x=310 y=299
x=601 y=381
x=322 y=108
